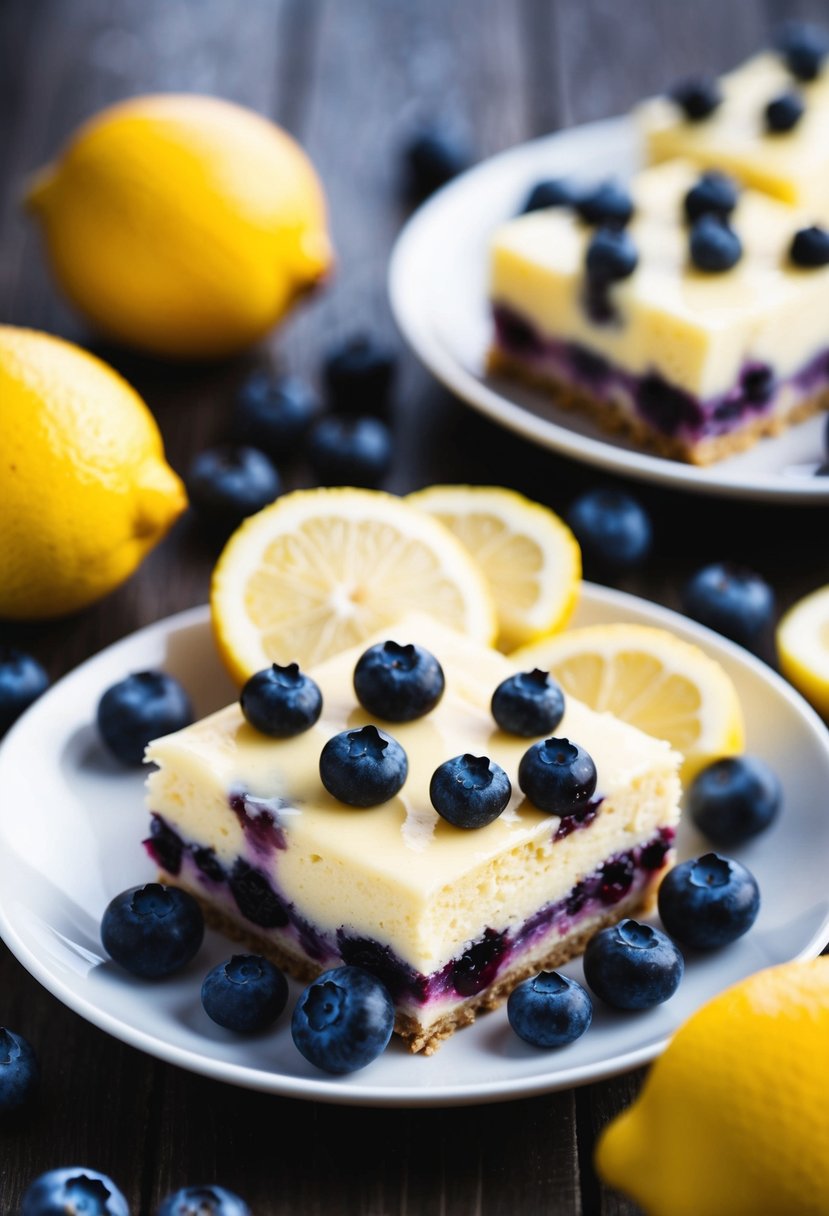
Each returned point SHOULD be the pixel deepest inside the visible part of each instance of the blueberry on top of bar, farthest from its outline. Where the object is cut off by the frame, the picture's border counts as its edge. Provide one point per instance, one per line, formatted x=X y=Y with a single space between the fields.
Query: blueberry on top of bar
x=608 y=204
x=714 y=247
x=713 y=194
x=697 y=97
x=551 y=192
x=783 y=113
x=611 y=255
x=803 y=47
x=810 y=247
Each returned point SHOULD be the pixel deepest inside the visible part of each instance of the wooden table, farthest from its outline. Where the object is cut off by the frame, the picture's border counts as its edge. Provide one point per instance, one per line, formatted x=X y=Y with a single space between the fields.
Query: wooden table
x=349 y=79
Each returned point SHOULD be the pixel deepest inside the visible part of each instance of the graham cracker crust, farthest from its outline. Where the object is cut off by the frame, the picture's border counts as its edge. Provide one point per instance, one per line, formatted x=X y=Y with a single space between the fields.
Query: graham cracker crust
x=612 y=418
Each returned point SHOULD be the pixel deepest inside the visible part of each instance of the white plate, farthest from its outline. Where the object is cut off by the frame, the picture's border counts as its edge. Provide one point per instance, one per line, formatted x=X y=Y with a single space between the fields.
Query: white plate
x=437 y=284
x=70 y=830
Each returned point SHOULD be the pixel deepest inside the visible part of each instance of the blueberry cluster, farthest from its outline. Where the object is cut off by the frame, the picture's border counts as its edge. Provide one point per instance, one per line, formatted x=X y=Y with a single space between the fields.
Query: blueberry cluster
x=78 y=1189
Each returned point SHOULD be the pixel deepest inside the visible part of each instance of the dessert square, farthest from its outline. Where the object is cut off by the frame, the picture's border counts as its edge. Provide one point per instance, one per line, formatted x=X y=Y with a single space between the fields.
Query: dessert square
x=450 y=919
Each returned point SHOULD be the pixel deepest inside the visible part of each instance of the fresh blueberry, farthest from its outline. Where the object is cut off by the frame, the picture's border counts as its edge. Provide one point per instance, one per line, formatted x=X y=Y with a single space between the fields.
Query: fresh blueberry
x=713 y=194
x=350 y=451
x=632 y=966
x=708 y=902
x=557 y=776
x=608 y=204
x=432 y=157
x=613 y=530
x=19 y=1072
x=783 y=113
x=528 y=703
x=713 y=245
x=363 y=767
x=273 y=413
x=359 y=375
x=73 y=1191
x=225 y=484
x=469 y=791
x=804 y=47
x=203 y=1201
x=810 y=247
x=281 y=701
x=549 y=1010
x=735 y=602
x=152 y=931
x=611 y=256
x=141 y=707
x=551 y=192
x=22 y=680
x=697 y=97
x=343 y=1020
x=398 y=683
x=246 y=993
x=734 y=799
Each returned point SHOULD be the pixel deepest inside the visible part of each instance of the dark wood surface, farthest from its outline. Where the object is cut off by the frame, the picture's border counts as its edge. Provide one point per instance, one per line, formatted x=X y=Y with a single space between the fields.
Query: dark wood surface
x=349 y=79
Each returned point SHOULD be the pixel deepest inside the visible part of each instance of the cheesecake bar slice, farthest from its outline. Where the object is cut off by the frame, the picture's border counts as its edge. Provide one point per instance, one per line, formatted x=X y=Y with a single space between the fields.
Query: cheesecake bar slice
x=449 y=919
x=691 y=359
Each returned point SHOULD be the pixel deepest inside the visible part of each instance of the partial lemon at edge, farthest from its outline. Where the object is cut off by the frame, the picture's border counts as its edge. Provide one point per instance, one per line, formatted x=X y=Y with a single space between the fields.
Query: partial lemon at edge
x=803 y=647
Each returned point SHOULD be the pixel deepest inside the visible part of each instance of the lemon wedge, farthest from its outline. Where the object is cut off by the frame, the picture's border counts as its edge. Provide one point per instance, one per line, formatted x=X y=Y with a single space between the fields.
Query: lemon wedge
x=530 y=558
x=648 y=677
x=320 y=570
x=803 y=647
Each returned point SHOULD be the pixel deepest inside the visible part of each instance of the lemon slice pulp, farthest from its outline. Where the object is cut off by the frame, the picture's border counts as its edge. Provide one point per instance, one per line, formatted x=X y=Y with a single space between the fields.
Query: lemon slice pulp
x=803 y=647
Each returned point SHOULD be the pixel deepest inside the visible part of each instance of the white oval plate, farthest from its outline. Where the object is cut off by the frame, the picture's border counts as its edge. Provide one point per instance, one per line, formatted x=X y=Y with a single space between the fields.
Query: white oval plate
x=437 y=285
x=71 y=823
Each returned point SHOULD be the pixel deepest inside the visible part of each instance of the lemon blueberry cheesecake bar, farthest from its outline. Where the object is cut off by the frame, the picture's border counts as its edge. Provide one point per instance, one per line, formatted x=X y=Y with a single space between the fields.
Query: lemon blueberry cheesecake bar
x=314 y=868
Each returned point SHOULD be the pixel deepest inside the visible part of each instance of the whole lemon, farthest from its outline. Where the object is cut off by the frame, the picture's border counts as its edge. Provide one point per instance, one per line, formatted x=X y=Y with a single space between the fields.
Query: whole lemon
x=85 y=491
x=183 y=225
x=733 y=1119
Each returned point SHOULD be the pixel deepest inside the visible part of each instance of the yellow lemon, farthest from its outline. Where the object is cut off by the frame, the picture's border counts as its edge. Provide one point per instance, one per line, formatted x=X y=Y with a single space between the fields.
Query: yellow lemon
x=530 y=558
x=84 y=487
x=183 y=225
x=803 y=647
x=733 y=1119
x=320 y=570
x=647 y=676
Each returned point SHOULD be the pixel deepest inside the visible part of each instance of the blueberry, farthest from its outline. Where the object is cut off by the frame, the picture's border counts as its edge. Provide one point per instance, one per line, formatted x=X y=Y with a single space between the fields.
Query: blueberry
x=432 y=157
x=551 y=192
x=363 y=767
x=273 y=413
x=611 y=256
x=783 y=113
x=398 y=683
x=152 y=931
x=350 y=451
x=713 y=245
x=697 y=97
x=359 y=376
x=528 y=703
x=734 y=799
x=557 y=776
x=73 y=1191
x=612 y=528
x=608 y=204
x=203 y=1201
x=735 y=602
x=19 y=1072
x=708 y=902
x=713 y=194
x=810 y=247
x=228 y=483
x=632 y=966
x=549 y=1010
x=343 y=1020
x=141 y=707
x=22 y=680
x=469 y=791
x=281 y=701
x=803 y=47
x=246 y=993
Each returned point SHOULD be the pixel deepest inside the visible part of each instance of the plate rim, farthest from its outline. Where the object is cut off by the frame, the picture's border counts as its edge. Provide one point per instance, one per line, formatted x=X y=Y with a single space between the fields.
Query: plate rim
x=409 y=252
x=347 y=1091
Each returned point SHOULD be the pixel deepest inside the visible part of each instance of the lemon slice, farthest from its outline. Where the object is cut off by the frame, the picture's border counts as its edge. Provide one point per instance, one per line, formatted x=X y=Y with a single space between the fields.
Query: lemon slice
x=320 y=570
x=803 y=647
x=650 y=678
x=530 y=558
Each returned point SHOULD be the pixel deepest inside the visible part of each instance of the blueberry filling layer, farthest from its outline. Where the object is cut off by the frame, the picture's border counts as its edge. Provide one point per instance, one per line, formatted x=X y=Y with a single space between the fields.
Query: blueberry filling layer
x=665 y=407
x=252 y=894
